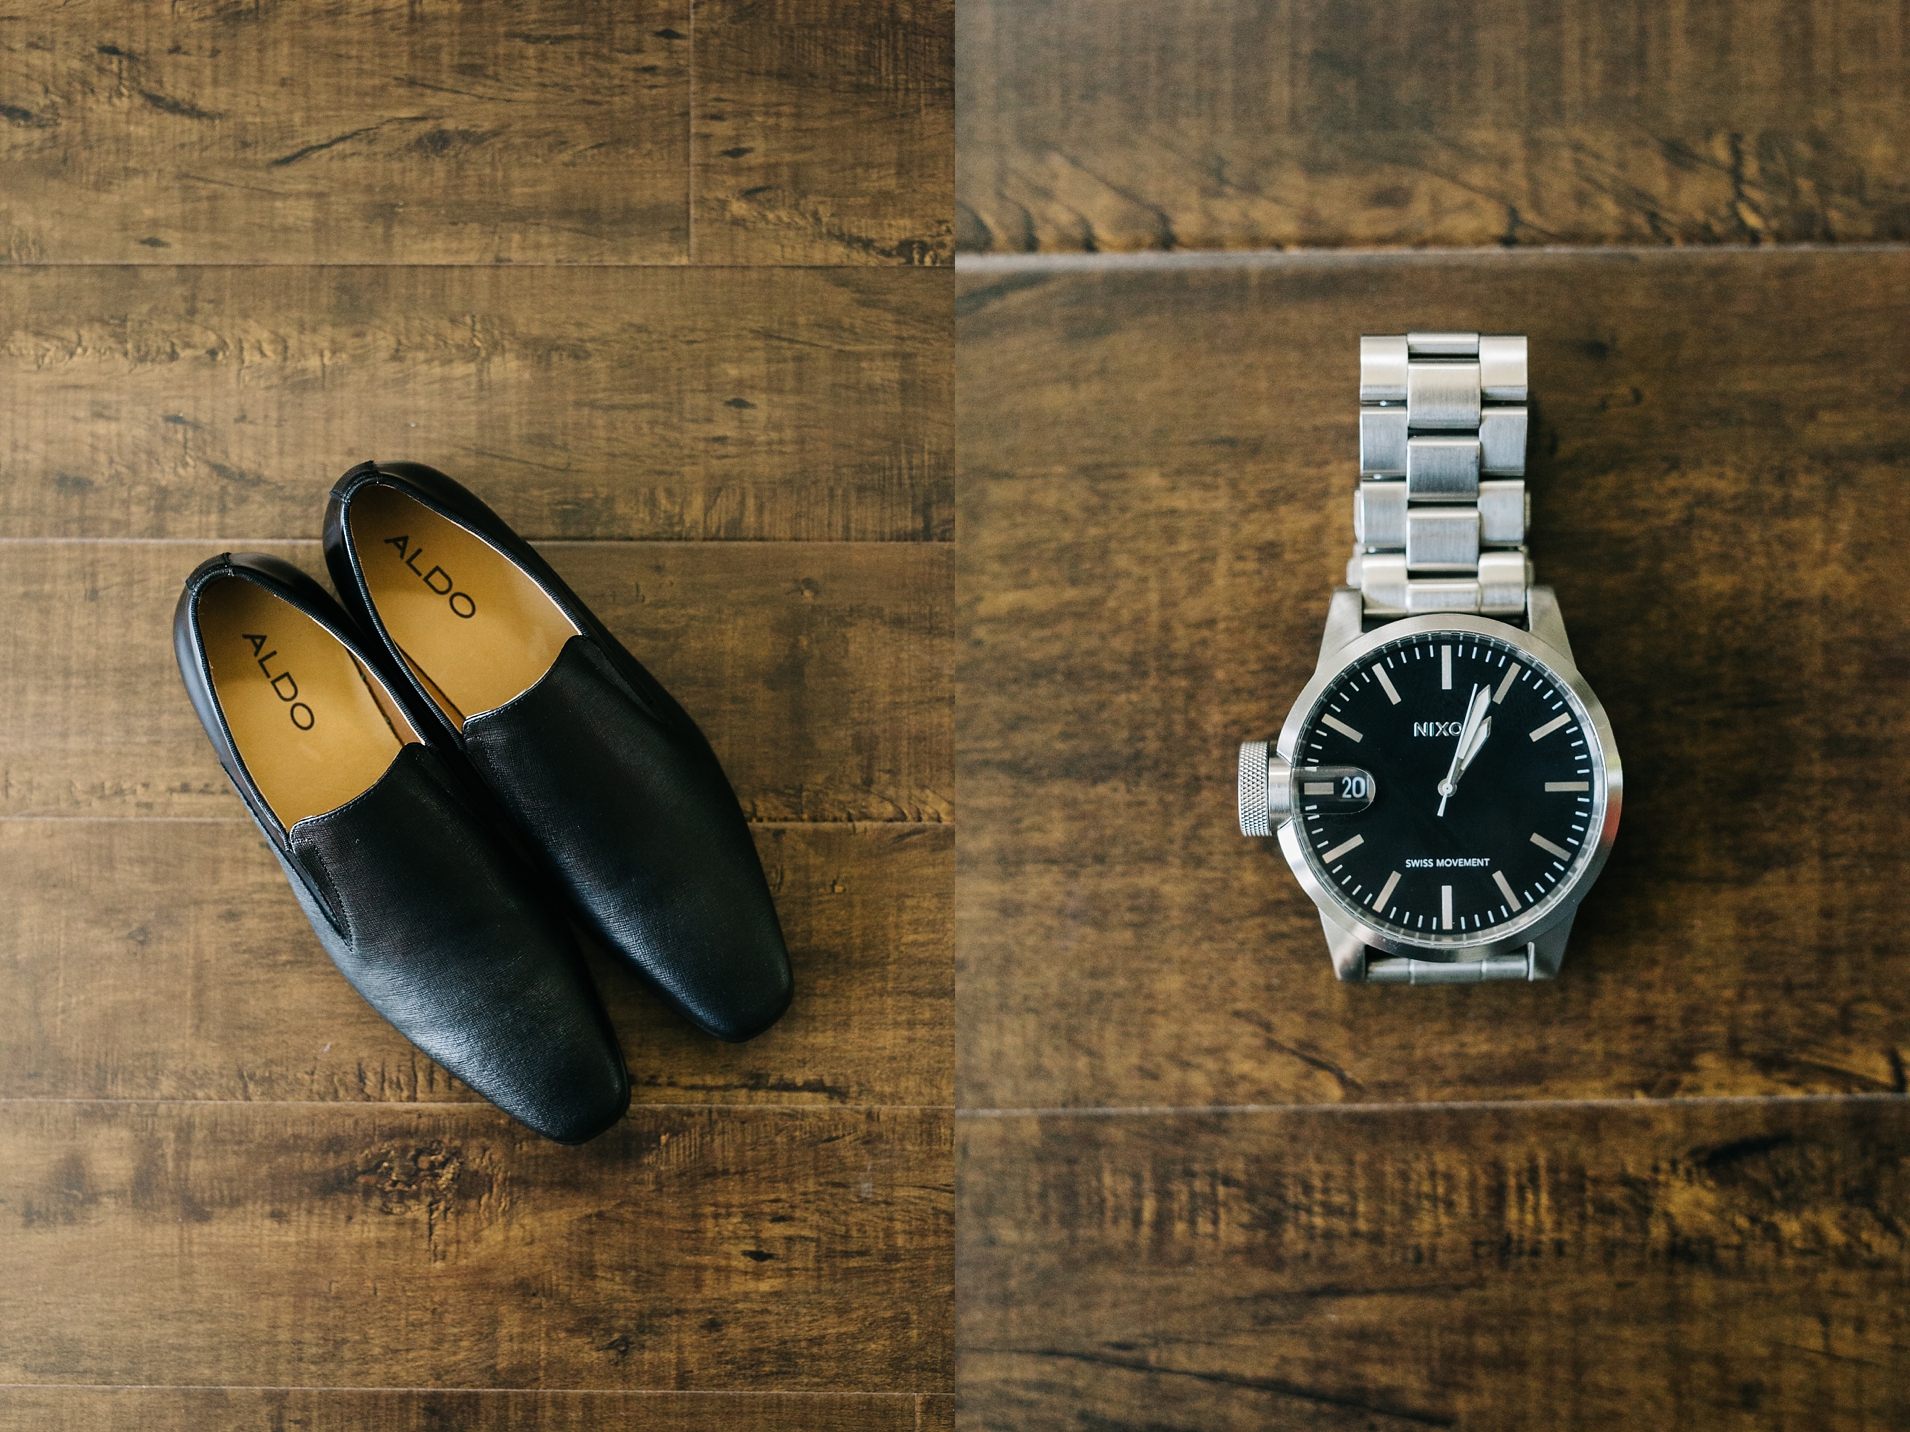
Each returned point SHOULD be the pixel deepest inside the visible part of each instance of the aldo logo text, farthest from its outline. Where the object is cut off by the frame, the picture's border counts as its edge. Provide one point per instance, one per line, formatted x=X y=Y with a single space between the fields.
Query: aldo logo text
x=283 y=686
x=459 y=602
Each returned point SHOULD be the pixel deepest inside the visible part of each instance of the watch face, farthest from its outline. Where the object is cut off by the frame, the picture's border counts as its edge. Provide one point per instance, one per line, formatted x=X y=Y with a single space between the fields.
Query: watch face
x=1448 y=788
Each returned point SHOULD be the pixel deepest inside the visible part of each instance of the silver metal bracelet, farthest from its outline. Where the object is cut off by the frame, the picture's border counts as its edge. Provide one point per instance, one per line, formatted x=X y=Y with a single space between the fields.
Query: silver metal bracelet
x=1439 y=521
x=1440 y=518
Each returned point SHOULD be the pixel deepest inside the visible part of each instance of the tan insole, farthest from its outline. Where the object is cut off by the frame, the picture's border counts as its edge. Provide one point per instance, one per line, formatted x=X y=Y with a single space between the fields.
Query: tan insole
x=475 y=628
x=312 y=726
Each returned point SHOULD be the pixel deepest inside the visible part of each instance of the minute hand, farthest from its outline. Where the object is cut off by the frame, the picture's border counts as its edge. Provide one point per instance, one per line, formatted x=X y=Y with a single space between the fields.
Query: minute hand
x=1471 y=737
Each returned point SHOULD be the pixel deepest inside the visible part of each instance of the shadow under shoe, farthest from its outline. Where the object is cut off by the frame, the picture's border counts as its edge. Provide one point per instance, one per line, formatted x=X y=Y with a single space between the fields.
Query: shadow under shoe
x=601 y=771
x=417 y=900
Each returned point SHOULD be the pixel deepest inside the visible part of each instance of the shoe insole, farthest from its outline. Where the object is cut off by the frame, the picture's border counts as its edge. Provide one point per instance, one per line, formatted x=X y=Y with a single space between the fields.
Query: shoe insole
x=475 y=628
x=312 y=726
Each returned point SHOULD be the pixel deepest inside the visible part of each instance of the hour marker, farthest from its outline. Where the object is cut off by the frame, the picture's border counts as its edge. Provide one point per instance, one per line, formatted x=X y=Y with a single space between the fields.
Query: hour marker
x=1505 y=889
x=1568 y=785
x=1547 y=729
x=1543 y=844
x=1323 y=788
x=1445 y=668
x=1354 y=844
x=1445 y=907
x=1352 y=735
x=1506 y=685
x=1378 y=902
x=1386 y=683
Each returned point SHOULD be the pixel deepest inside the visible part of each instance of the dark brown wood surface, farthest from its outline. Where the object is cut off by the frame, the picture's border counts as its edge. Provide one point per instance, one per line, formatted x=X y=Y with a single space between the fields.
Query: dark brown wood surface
x=825 y=131
x=1734 y=1265
x=820 y=671
x=338 y=1245
x=149 y=1409
x=1104 y=125
x=223 y=402
x=692 y=350
x=353 y=133
x=159 y=959
x=1151 y=518
x=559 y=133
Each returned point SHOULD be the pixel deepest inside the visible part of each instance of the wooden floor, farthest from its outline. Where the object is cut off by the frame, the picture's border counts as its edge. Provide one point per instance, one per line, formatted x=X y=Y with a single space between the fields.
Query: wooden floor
x=1202 y=1185
x=668 y=286
x=667 y=282
x=1111 y=125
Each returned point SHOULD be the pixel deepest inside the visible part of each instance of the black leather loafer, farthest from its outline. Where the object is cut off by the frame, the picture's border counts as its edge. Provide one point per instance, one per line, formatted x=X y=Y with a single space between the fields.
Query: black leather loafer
x=415 y=897
x=600 y=770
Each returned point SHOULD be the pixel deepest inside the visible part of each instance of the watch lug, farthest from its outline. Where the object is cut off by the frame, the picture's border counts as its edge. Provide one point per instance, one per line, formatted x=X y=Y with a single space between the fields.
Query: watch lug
x=1543 y=619
x=1548 y=951
x=1347 y=950
x=1344 y=617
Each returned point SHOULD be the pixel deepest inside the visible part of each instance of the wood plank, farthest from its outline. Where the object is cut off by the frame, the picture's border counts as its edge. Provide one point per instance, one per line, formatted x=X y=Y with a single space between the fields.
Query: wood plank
x=582 y=403
x=1717 y=490
x=818 y=670
x=352 y=133
x=1105 y=125
x=935 y=1414
x=686 y=1250
x=166 y=1409
x=162 y=960
x=1719 y=1265
x=824 y=132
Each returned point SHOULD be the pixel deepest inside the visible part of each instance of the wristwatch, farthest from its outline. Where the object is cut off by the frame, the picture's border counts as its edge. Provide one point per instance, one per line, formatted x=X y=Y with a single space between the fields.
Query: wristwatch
x=1446 y=787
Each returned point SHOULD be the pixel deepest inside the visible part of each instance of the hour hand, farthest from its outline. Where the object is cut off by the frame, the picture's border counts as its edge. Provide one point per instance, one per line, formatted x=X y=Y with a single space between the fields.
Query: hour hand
x=1472 y=748
x=1472 y=735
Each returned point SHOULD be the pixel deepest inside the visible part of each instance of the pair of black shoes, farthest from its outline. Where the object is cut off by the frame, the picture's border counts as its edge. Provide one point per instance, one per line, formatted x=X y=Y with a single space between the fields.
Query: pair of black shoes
x=453 y=759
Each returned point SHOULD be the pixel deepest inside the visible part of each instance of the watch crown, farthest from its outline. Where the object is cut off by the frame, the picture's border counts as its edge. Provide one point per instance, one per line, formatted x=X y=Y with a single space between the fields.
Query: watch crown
x=1263 y=786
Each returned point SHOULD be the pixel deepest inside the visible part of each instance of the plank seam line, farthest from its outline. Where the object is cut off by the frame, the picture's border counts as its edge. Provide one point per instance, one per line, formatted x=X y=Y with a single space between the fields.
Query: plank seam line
x=689 y=170
x=473 y=1391
x=1278 y=258
x=396 y=1106
x=246 y=820
x=126 y=819
x=1154 y=1111
x=902 y=543
x=658 y=266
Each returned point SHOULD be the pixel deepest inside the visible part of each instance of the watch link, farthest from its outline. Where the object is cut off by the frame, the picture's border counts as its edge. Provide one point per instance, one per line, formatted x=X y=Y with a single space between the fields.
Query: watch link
x=1446 y=787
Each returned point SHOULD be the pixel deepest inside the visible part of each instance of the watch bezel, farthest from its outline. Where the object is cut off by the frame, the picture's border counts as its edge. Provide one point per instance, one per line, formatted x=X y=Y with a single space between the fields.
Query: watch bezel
x=1561 y=904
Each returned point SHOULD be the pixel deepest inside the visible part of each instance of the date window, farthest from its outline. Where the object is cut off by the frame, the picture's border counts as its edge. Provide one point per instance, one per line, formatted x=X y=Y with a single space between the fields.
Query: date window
x=1334 y=790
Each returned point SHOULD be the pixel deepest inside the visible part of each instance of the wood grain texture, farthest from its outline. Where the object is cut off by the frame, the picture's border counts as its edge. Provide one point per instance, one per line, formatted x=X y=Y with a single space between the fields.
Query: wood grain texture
x=686 y=1250
x=1717 y=493
x=1735 y=1265
x=824 y=132
x=603 y=403
x=1106 y=125
x=167 y=1409
x=164 y=960
x=819 y=671
x=357 y=132
x=244 y=247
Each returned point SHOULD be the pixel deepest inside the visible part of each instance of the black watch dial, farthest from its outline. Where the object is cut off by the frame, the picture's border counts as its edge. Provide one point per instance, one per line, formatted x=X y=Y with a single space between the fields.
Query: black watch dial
x=1446 y=786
